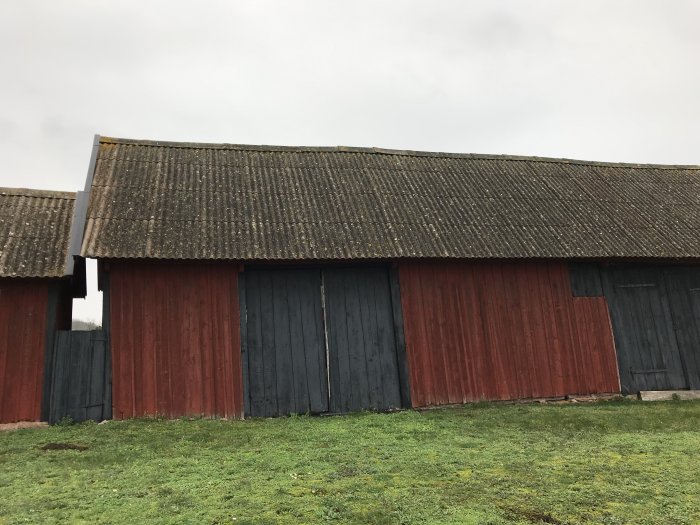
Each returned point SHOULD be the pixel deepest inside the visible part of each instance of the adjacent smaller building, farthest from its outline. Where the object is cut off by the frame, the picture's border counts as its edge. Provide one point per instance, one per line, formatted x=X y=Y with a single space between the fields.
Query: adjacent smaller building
x=37 y=282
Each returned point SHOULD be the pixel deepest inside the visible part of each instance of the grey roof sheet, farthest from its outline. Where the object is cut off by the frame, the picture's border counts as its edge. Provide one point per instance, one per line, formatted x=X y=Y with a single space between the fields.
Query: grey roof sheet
x=34 y=232
x=219 y=201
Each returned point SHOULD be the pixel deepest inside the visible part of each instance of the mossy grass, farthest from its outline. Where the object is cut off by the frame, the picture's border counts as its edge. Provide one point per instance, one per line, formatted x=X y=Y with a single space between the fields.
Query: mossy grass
x=608 y=462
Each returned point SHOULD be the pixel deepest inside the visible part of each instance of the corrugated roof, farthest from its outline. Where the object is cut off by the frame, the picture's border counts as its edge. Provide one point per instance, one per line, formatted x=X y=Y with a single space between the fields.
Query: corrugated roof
x=218 y=201
x=34 y=232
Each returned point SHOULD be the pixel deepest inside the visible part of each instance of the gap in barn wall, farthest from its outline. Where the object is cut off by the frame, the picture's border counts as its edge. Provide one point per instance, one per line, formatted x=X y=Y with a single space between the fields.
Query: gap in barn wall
x=87 y=313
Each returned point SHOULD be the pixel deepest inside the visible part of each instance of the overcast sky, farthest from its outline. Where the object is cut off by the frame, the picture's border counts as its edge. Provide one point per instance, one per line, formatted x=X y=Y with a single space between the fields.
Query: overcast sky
x=597 y=80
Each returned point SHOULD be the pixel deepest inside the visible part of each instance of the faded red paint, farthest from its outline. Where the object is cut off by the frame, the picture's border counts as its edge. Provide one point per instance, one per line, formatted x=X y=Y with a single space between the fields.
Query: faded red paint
x=175 y=340
x=502 y=331
x=23 y=310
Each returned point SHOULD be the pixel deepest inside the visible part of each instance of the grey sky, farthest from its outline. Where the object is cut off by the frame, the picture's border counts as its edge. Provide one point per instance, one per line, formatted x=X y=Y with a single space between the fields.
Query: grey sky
x=597 y=80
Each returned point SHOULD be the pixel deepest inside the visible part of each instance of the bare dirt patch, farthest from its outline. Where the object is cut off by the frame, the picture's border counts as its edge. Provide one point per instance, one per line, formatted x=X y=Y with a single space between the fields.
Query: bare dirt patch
x=22 y=424
x=63 y=446
x=533 y=516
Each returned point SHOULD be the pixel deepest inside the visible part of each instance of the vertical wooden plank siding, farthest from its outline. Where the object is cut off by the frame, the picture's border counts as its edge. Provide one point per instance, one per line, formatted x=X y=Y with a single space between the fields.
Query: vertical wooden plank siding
x=23 y=313
x=78 y=380
x=655 y=316
x=285 y=346
x=501 y=330
x=364 y=371
x=175 y=340
x=684 y=295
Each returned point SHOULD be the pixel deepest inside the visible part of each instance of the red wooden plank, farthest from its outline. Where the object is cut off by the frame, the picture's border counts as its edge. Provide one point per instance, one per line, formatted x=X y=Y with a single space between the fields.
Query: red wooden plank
x=23 y=309
x=512 y=354
x=540 y=374
x=161 y=322
x=522 y=346
x=557 y=344
x=208 y=378
x=115 y=342
x=440 y=363
x=190 y=352
x=177 y=342
x=149 y=358
x=411 y=309
x=601 y=340
x=562 y=295
x=530 y=337
x=218 y=335
x=235 y=398
x=471 y=317
x=138 y=304
x=491 y=298
x=169 y=336
x=461 y=375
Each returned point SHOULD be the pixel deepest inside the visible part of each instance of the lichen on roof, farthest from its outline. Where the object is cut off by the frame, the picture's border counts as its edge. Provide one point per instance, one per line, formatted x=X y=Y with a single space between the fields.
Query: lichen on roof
x=169 y=200
x=34 y=232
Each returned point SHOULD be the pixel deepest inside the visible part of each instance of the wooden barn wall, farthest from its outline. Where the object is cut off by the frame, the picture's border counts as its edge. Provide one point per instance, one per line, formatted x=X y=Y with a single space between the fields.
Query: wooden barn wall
x=500 y=330
x=23 y=315
x=175 y=340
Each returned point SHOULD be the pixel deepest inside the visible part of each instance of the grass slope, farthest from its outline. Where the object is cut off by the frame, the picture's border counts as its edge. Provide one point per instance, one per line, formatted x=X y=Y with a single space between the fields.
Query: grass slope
x=610 y=463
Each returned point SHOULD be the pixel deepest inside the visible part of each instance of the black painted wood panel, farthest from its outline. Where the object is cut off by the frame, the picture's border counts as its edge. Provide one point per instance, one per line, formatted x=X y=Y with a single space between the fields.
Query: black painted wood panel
x=405 y=388
x=310 y=369
x=49 y=343
x=285 y=345
x=79 y=380
x=363 y=367
x=684 y=292
x=585 y=279
x=647 y=348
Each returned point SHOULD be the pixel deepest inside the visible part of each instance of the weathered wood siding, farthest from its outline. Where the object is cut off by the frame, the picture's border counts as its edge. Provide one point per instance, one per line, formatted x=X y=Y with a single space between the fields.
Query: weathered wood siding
x=497 y=330
x=284 y=343
x=79 y=378
x=322 y=340
x=684 y=291
x=23 y=315
x=647 y=347
x=175 y=340
x=364 y=368
x=655 y=312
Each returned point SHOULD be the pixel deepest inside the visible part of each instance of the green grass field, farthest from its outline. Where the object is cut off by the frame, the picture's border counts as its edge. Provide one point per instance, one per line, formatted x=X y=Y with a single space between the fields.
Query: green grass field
x=610 y=463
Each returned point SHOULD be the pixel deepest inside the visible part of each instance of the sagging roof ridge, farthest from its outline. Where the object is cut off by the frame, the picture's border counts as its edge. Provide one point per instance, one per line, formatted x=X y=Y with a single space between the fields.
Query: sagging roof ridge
x=385 y=151
x=39 y=194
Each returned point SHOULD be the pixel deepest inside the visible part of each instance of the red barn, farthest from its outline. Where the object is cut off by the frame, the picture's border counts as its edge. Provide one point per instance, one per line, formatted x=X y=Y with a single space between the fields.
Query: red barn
x=264 y=280
x=36 y=277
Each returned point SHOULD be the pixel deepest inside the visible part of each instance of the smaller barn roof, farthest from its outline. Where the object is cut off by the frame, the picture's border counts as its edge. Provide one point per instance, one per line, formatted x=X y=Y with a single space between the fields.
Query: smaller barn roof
x=35 y=229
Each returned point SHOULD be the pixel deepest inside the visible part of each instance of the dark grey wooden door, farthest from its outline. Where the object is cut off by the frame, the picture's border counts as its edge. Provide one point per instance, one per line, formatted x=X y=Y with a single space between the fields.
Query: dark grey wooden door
x=647 y=349
x=362 y=344
x=283 y=343
x=321 y=341
x=684 y=296
x=80 y=383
